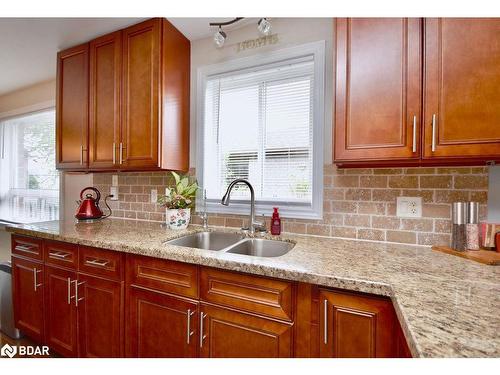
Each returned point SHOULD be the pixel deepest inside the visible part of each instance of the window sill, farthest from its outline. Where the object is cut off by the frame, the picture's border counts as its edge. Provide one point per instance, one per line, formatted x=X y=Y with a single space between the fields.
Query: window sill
x=285 y=210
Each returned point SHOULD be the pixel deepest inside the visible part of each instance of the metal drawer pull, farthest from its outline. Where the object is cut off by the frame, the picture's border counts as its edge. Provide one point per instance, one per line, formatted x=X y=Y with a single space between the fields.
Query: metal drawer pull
x=202 y=336
x=189 y=333
x=97 y=262
x=26 y=249
x=325 y=321
x=35 y=282
x=433 y=148
x=77 y=284
x=114 y=153
x=414 y=134
x=58 y=255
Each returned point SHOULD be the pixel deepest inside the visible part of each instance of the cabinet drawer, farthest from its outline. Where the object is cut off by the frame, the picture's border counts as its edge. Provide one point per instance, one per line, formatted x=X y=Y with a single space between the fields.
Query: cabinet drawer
x=61 y=254
x=27 y=247
x=101 y=262
x=163 y=275
x=255 y=294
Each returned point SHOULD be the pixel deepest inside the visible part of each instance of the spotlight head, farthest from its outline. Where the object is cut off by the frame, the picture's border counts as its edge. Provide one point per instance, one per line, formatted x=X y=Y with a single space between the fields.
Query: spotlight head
x=220 y=37
x=264 y=26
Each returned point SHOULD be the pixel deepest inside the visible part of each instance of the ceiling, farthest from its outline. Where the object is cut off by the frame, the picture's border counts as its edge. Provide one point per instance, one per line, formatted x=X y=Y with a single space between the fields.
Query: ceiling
x=28 y=47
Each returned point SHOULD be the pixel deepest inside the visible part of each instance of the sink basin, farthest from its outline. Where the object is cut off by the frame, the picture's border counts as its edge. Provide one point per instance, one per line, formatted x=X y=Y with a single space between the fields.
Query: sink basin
x=207 y=240
x=261 y=247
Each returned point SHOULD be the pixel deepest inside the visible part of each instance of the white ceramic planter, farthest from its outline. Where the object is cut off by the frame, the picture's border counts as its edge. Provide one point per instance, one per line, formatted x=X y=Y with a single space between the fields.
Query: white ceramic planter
x=178 y=218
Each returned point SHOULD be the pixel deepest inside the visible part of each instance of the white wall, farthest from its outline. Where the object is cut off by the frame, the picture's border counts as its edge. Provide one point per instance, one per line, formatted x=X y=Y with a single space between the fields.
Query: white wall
x=35 y=97
x=291 y=32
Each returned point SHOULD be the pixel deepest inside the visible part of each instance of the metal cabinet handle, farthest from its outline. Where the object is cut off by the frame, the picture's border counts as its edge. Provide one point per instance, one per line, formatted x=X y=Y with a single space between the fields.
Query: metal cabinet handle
x=96 y=262
x=433 y=147
x=35 y=282
x=121 y=152
x=414 y=134
x=25 y=248
x=58 y=255
x=77 y=284
x=81 y=155
x=189 y=333
x=325 y=321
x=69 y=291
x=114 y=153
x=202 y=336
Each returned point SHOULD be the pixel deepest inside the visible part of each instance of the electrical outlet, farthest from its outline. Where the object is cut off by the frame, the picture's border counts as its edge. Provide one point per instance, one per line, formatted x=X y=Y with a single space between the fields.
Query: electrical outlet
x=409 y=207
x=154 y=195
x=114 y=180
x=114 y=192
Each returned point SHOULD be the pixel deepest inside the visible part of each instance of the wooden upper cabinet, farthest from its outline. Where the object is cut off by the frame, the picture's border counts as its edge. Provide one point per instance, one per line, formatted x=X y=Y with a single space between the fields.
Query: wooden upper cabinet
x=356 y=326
x=123 y=101
x=378 y=89
x=462 y=88
x=104 y=108
x=141 y=106
x=72 y=108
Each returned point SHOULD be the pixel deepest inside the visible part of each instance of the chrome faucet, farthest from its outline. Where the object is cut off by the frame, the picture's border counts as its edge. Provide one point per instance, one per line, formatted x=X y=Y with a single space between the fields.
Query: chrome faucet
x=253 y=225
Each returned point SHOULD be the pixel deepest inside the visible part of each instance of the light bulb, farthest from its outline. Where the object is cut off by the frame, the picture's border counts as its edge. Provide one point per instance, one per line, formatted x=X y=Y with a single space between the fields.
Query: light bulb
x=264 y=26
x=219 y=38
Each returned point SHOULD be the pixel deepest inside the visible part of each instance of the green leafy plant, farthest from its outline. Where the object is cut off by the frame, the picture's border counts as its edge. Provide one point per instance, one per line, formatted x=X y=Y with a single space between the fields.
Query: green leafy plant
x=182 y=195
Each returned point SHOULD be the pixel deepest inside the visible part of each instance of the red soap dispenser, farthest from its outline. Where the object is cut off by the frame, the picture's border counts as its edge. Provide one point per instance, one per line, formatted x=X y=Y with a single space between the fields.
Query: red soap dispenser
x=276 y=222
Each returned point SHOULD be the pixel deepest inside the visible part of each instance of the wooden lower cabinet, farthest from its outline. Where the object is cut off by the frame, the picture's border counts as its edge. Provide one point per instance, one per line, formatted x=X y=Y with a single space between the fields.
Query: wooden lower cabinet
x=100 y=317
x=27 y=288
x=60 y=311
x=161 y=325
x=356 y=326
x=231 y=334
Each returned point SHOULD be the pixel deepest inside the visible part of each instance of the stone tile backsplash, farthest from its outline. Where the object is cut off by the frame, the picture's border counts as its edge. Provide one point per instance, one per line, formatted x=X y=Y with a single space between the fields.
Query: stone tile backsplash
x=358 y=203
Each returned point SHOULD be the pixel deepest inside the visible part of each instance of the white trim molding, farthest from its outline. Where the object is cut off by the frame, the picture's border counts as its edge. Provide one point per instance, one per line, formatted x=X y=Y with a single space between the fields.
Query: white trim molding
x=290 y=210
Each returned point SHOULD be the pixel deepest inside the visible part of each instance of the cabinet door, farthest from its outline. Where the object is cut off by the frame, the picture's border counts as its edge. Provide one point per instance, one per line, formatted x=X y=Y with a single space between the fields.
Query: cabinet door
x=378 y=89
x=356 y=326
x=60 y=311
x=160 y=325
x=100 y=318
x=104 y=119
x=27 y=289
x=462 y=88
x=141 y=80
x=72 y=108
x=230 y=334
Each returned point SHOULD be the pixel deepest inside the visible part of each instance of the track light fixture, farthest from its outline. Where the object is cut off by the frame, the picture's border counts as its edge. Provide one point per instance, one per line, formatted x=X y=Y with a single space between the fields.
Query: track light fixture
x=264 y=27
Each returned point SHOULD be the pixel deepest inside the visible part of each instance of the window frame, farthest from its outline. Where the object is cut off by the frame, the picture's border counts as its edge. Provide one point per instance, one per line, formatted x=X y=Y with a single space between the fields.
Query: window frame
x=27 y=111
x=239 y=207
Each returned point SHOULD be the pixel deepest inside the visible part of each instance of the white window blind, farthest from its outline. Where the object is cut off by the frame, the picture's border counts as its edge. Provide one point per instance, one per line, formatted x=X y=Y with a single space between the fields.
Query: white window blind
x=258 y=125
x=29 y=182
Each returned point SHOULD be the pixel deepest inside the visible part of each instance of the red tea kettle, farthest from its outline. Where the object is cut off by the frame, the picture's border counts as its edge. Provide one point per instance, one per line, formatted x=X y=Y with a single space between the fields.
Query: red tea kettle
x=88 y=208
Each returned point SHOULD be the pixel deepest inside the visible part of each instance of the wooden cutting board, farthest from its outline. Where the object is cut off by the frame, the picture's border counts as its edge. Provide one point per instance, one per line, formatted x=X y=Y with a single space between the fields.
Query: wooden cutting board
x=488 y=257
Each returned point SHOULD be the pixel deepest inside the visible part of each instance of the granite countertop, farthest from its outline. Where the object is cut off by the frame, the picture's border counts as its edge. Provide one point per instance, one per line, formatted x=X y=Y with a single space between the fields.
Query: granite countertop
x=447 y=306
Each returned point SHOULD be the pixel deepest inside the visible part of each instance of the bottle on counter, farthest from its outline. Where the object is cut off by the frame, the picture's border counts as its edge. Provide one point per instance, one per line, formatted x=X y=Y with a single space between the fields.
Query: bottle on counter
x=472 y=227
x=459 y=232
x=275 y=222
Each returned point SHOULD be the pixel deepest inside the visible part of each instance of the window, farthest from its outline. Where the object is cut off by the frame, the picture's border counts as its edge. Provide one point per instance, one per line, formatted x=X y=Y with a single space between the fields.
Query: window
x=29 y=182
x=262 y=120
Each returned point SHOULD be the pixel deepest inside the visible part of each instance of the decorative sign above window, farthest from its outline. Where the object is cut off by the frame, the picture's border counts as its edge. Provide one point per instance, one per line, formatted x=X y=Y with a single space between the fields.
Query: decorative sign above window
x=257 y=43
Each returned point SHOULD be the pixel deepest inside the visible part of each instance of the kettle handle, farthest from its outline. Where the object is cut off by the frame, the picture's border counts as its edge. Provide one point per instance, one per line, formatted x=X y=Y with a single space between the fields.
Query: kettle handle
x=98 y=194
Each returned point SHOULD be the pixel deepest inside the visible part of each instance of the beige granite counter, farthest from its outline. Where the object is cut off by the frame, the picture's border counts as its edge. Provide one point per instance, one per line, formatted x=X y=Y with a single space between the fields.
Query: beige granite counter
x=447 y=306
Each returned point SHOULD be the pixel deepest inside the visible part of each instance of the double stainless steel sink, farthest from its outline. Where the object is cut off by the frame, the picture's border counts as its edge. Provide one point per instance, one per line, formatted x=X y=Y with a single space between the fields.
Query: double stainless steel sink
x=234 y=243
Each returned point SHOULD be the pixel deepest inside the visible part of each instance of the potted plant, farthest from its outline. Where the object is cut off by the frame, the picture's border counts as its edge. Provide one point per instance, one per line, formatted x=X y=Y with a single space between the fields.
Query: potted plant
x=178 y=201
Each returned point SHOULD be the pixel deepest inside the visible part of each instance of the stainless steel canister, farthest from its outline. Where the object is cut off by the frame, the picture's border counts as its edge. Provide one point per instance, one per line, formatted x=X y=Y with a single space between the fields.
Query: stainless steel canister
x=472 y=227
x=459 y=218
